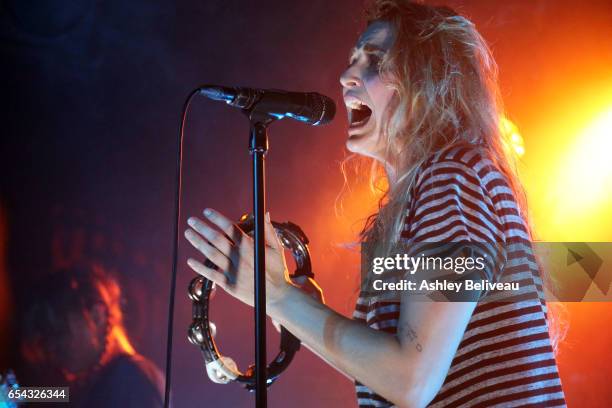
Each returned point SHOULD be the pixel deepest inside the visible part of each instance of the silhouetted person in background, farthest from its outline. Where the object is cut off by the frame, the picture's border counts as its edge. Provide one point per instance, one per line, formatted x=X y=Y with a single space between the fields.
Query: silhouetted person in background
x=73 y=335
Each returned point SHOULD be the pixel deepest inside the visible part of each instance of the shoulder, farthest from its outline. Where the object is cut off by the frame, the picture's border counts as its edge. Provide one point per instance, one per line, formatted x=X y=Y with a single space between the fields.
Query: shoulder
x=455 y=197
x=468 y=163
x=130 y=380
x=140 y=367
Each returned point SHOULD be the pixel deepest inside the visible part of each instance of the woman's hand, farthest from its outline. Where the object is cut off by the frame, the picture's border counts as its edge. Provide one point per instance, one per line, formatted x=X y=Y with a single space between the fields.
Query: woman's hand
x=231 y=250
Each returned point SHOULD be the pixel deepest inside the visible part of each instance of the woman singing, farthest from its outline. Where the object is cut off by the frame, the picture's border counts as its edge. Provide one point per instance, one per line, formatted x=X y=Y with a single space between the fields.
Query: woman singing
x=422 y=101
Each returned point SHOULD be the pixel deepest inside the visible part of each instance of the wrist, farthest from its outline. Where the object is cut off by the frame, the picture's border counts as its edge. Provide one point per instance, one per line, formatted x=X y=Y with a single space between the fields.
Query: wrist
x=278 y=301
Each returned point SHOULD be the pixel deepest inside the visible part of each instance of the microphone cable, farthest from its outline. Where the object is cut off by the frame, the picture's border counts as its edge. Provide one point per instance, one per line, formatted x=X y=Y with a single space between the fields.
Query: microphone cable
x=177 y=219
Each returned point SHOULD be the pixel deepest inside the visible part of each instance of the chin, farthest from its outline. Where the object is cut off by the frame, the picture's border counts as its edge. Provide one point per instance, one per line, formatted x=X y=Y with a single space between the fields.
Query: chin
x=357 y=146
x=363 y=144
x=354 y=144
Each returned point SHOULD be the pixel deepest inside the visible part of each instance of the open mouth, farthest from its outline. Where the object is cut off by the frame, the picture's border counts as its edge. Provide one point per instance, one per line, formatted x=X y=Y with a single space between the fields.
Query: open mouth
x=359 y=115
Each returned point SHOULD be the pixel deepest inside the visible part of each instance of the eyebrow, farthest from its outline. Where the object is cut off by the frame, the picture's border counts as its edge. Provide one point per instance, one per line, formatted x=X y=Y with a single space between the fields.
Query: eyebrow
x=367 y=47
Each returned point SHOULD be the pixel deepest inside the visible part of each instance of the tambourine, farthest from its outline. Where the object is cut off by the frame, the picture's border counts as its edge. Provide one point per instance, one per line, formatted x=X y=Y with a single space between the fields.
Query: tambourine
x=202 y=331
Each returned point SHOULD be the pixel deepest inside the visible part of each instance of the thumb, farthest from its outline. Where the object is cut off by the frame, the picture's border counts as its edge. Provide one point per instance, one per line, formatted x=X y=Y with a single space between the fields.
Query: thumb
x=270 y=234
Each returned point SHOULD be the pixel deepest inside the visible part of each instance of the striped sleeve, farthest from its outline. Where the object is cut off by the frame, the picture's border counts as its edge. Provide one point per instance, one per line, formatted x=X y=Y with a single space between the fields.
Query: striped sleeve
x=452 y=208
x=451 y=205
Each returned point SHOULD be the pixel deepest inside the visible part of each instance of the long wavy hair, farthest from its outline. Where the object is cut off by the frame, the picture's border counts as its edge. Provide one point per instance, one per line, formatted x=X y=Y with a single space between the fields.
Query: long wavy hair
x=446 y=93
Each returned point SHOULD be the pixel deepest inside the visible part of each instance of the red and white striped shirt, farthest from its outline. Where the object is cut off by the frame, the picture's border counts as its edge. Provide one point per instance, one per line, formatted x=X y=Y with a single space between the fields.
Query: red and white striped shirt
x=505 y=358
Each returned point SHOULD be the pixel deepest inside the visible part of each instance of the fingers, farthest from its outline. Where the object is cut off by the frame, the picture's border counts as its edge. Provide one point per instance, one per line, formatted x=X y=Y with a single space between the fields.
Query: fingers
x=224 y=224
x=208 y=250
x=208 y=273
x=216 y=238
x=270 y=234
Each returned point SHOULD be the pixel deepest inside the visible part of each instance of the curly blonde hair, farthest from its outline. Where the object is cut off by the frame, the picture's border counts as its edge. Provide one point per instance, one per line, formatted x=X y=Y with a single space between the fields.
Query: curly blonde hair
x=446 y=93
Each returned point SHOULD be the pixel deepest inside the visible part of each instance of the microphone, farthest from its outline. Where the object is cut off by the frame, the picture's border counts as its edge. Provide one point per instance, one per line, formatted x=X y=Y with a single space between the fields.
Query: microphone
x=309 y=107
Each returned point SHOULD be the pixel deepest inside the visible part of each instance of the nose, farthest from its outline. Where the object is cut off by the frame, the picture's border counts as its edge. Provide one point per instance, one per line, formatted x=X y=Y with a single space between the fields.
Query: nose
x=350 y=78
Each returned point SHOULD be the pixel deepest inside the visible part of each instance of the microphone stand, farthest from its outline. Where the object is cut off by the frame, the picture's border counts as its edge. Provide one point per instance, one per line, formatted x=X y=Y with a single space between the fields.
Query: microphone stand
x=261 y=115
x=258 y=147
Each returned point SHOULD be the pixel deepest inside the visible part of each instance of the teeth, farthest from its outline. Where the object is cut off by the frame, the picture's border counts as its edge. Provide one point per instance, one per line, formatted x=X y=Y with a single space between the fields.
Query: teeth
x=354 y=104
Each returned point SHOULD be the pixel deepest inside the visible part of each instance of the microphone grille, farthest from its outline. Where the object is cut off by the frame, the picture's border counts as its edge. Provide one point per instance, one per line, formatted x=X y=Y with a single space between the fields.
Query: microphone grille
x=323 y=107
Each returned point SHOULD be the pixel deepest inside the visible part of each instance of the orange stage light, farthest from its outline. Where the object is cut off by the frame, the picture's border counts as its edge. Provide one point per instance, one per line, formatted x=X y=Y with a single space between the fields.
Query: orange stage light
x=512 y=139
x=568 y=171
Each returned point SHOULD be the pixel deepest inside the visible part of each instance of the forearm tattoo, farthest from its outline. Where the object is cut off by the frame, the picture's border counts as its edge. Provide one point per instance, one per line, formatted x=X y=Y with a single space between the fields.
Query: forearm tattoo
x=405 y=331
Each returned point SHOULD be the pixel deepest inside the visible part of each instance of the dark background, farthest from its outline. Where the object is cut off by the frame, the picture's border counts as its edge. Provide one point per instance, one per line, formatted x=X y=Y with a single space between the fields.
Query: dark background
x=91 y=96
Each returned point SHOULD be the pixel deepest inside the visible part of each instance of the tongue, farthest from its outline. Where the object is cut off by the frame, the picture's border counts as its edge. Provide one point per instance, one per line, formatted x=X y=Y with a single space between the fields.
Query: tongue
x=360 y=115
